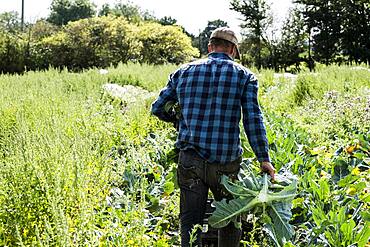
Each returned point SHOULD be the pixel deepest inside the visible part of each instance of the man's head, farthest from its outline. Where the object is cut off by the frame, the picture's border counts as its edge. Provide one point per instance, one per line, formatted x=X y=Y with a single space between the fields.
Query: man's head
x=223 y=39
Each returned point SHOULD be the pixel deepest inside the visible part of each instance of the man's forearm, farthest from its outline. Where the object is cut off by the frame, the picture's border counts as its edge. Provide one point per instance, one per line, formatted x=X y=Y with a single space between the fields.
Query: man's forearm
x=162 y=114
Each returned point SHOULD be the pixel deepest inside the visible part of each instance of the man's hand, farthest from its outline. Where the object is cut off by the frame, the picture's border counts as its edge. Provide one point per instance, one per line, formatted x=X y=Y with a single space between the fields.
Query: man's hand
x=268 y=168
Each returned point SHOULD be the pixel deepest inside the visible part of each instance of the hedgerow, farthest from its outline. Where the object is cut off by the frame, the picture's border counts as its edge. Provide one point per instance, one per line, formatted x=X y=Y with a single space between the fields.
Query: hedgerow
x=93 y=42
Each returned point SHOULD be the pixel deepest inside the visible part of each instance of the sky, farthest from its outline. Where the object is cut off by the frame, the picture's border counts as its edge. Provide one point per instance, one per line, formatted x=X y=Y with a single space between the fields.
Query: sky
x=192 y=14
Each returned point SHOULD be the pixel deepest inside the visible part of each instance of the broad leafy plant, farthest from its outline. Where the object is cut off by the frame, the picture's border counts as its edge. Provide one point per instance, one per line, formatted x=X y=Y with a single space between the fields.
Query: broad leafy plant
x=271 y=203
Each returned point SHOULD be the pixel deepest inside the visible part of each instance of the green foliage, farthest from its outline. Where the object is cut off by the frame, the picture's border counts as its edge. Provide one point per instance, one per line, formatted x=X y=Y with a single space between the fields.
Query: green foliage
x=65 y=151
x=292 y=43
x=42 y=183
x=161 y=44
x=167 y=20
x=133 y=13
x=106 y=40
x=15 y=46
x=64 y=11
x=354 y=42
x=340 y=175
x=9 y=127
x=271 y=203
x=334 y=31
x=99 y=42
x=256 y=18
x=201 y=42
x=105 y=10
x=42 y=29
x=11 y=53
x=149 y=77
x=80 y=168
x=10 y=22
x=330 y=105
x=338 y=27
x=303 y=90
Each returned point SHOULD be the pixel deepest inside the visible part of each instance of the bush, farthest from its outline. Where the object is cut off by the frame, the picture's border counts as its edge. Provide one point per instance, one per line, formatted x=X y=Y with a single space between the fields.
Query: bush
x=42 y=29
x=161 y=44
x=99 y=42
x=94 y=42
x=102 y=41
x=11 y=53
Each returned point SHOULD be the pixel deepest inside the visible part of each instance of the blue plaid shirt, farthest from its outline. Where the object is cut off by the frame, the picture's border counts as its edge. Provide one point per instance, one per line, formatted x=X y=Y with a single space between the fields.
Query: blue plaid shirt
x=212 y=94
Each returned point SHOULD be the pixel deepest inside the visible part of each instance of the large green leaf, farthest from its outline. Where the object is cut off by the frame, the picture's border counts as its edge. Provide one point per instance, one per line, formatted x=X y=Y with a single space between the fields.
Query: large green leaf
x=364 y=236
x=340 y=170
x=347 y=229
x=246 y=175
x=280 y=214
x=269 y=229
x=287 y=194
x=237 y=189
x=227 y=211
x=258 y=193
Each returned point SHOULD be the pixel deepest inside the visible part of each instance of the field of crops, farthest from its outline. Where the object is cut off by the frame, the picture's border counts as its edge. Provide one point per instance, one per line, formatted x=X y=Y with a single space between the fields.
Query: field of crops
x=79 y=168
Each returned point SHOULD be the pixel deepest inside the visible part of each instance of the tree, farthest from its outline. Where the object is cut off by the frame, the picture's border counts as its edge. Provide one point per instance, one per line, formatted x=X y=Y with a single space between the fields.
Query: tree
x=256 y=20
x=164 y=44
x=12 y=44
x=321 y=17
x=64 y=11
x=167 y=20
x=133 y=13
x=41 y=29
x=355 y=41
x=204 y=36
x=11 y=53
x=10 y=21
x=98 y=41
x=108 y=40
x=293 y=40
x=341 y=29
x=105 y=10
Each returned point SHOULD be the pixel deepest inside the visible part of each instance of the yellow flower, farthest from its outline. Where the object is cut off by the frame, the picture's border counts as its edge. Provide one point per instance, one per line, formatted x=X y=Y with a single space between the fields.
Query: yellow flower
x=351 y=191
x=355 y=171
x=350 y=149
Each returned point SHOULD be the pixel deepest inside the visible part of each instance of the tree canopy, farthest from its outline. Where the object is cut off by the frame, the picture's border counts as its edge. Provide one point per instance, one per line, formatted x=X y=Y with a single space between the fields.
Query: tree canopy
x=340 y=30
x=10 y=21
x=255 y=20
x=64 y=11
x=202 y=40
x=72 y=36
x=132 y=12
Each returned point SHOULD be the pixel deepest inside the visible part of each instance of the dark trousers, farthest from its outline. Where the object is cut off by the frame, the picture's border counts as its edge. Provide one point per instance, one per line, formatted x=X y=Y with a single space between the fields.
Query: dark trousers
x=196 y=177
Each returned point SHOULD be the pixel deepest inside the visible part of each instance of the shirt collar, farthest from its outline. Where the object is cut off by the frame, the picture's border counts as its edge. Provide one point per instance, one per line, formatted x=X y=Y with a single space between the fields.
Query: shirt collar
x=219 y=55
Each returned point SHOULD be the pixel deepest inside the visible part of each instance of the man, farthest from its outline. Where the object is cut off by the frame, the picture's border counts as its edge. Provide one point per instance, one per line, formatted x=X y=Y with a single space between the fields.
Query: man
x=212 y=94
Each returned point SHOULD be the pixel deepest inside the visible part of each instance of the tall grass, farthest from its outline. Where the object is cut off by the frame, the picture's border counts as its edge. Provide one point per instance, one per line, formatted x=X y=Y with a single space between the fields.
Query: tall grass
x=332 y=103
x=56 y=136
x=149 y=77
x=75 y=171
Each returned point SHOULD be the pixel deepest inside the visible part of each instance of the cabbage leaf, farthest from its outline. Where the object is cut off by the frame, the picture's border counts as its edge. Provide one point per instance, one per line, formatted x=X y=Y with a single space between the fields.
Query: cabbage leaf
x=256 y=194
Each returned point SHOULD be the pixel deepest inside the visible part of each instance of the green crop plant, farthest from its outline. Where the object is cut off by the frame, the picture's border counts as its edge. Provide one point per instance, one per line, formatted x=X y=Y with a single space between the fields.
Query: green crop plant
x=77 y=169
x=256 y=195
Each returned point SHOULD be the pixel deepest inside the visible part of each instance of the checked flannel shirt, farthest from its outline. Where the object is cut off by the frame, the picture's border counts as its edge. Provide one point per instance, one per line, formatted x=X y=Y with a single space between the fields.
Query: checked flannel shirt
x=212 y=94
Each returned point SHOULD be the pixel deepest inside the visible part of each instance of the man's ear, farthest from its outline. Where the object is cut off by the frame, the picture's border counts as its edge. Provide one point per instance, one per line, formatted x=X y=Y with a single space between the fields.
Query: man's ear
x=210 y=48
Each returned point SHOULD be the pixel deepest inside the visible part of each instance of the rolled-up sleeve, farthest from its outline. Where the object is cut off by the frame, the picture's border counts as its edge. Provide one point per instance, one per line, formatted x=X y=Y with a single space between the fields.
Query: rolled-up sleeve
x=167 y=94
x=253 y=120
